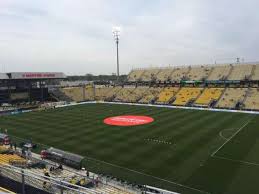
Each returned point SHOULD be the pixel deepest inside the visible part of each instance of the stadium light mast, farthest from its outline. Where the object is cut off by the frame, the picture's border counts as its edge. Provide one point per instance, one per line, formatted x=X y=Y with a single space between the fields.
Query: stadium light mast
x=116 y=33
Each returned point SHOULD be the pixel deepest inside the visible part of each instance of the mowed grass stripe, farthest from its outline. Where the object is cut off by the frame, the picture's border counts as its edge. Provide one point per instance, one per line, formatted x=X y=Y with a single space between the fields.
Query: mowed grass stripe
x=80 y=129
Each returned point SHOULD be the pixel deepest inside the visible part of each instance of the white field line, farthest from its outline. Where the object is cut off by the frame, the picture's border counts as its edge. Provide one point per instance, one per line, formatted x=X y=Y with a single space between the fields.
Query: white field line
x=243 y=126
x=148 y=175
x=238 y=161
x=222 y=136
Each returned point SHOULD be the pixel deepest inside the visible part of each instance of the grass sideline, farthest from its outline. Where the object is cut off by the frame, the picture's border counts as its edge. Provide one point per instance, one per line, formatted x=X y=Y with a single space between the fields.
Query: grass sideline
x=193 y=163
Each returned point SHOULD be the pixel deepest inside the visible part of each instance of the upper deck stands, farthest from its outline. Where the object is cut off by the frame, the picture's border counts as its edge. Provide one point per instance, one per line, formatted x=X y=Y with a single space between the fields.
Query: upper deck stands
x=164 y=74
x=149 y=75
x=179 y=73
x=198 y=73
x=135 y=75
x=219 y=72
x=255 y=73
x=240 y=72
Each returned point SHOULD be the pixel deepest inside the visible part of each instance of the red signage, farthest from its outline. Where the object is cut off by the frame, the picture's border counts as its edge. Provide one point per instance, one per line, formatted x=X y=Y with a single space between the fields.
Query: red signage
x=38 y=75
x=128 y=120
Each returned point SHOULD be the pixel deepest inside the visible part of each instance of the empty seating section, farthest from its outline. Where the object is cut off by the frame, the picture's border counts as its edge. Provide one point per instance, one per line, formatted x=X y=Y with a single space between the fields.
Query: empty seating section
x=252 y=99
x=231 y=97
x=135 y=75
x=7 y=158
x=137 y=94
x=75 y=93
x=198 y=73
x=104 y=93
x=149 y=75
x=219 y=72
x=150 y=94
x=186 y=94
x=166 y=95
x=241 y=72
x=213 y=72
x=164 y=74
x=89 y=93
x=255 y=74
x=123 y=94
x=208 y=95
x=179 y=73
x=79 y=93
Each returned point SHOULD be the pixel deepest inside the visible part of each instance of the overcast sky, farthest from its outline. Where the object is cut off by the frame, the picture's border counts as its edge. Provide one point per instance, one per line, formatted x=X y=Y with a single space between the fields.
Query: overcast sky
x=75 y=36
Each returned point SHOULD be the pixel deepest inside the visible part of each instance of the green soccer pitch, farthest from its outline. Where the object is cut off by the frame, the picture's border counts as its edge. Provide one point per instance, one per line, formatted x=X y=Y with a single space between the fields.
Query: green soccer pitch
x=186 y=151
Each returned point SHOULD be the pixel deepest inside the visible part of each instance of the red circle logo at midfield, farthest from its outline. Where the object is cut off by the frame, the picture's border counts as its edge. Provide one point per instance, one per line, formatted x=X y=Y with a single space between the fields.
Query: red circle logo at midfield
x=128 y=120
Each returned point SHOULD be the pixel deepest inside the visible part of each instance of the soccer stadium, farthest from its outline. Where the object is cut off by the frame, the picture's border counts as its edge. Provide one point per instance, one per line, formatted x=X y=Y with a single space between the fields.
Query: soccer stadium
x=169 y=107
x=181 y=130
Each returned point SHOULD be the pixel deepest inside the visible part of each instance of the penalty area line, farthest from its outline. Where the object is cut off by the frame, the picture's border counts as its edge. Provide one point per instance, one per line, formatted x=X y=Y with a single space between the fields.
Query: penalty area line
x=237 y=161
x=242 y=127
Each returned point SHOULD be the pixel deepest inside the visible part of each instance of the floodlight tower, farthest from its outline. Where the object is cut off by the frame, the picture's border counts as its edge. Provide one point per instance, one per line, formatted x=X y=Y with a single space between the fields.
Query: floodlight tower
x=116 y=33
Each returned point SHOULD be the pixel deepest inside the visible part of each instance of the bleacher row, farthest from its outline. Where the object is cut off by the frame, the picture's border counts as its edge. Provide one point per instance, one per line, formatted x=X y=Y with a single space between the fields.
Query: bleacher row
x=203 y=72
x=10 y=160
x=218 y=97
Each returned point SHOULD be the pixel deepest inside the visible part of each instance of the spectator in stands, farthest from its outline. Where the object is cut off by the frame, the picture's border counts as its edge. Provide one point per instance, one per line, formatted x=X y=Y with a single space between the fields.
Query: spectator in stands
x=15 y=146
x=60 y=167
x=23 y=152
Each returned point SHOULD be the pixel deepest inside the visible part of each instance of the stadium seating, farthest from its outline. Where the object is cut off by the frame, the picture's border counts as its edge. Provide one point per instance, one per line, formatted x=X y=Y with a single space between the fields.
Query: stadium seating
x=137 y=94
x=149 y=75
x=150 y=94
x=164 y=74
x=166 y=95
x=89 y=93
x=198 y=73
x=123 y=94
x=252 y=99
x=179 y=73
x=255 y=73
x=208 y=95
x=79 y=93
x=7 y=158
x=241 y=72
x=75 y=93
x=106 y=93
x=219 y=72
x=231 y=97
x=186 y=94
x=135 y=75
x=130 y=94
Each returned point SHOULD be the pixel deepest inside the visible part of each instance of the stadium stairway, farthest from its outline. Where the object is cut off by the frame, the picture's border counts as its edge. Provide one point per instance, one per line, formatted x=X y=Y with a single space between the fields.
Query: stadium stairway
x=211 y=71
x=230 y=71
x=252 y=72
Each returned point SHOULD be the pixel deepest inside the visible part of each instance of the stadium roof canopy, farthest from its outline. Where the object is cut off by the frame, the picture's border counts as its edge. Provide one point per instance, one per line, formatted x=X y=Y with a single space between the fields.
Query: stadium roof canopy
x=3 y=76
x=32 y=75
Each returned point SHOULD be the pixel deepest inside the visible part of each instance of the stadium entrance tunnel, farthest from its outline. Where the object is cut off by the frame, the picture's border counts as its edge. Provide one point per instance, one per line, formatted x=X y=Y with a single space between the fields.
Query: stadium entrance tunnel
x=128 y=120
